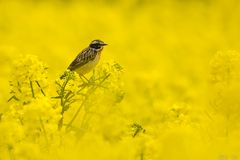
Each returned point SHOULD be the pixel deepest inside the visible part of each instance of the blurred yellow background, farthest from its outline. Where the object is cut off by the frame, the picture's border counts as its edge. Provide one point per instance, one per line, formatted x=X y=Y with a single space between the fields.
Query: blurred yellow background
x=164 y=46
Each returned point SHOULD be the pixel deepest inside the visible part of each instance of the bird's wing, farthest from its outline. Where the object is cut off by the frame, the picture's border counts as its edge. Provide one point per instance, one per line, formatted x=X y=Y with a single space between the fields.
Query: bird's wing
x=84 y=57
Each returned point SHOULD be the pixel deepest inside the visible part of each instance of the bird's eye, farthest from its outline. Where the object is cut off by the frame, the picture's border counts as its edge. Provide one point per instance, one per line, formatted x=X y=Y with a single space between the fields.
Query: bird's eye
x=95 y=46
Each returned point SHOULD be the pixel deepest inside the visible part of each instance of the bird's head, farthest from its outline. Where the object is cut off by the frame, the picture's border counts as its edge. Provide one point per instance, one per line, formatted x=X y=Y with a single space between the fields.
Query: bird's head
x=97 y=44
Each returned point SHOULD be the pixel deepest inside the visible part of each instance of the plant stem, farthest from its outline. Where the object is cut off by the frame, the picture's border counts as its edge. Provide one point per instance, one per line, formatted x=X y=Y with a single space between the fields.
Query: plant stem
x=84 y=101
x=60 y=123
x=31 y=86
x=40 y=88
x=76 y=114
x=44 y=131
x=10 y=148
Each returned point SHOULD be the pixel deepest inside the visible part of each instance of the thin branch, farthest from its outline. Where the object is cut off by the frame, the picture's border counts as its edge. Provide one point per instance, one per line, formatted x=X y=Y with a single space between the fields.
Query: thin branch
x=84 y=101
x=40 y=88
x=10 y=152
x=19 y=87
x=76 y=114
x=62 y=101
x=44 y=130
x=13 y=97
x=31 y=86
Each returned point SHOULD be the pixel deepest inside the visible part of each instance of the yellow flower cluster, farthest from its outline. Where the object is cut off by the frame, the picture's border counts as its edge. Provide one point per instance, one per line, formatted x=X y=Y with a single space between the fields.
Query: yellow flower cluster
x=85 y=112
x=225 y=86
x=225 y=67
x=29 y=79
x=49 y=123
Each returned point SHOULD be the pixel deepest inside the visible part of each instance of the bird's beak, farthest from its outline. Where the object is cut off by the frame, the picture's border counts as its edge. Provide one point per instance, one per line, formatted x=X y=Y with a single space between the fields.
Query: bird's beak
x=104 y=44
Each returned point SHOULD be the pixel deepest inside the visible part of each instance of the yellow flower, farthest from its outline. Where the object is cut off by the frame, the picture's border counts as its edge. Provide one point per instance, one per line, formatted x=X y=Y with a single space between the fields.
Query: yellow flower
x=29 y=79
x=225 y=67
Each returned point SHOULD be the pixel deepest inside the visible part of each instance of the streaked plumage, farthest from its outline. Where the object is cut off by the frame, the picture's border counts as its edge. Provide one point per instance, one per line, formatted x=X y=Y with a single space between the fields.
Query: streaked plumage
x=88 y=58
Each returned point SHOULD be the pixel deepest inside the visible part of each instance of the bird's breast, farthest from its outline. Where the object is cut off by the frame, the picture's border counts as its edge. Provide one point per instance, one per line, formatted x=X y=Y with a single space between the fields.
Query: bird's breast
x=88 y=66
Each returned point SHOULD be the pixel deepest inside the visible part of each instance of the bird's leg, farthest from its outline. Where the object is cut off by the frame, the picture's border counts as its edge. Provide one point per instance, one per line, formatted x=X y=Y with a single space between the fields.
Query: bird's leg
x=83 y=78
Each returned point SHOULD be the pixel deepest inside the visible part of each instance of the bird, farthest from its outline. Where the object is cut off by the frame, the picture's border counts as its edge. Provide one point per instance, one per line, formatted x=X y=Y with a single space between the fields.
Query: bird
x=88 y=58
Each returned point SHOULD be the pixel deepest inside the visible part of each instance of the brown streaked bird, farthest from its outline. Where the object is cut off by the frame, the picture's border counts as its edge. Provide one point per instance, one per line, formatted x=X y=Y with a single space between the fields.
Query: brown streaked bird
x=87 y=59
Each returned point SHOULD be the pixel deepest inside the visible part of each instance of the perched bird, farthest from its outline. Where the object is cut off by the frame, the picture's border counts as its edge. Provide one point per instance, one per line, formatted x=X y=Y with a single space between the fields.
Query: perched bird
x=87 y=59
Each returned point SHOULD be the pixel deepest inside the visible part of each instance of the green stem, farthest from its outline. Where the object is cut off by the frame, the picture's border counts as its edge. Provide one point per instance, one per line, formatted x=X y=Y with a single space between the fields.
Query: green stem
x=40 y=88
x=84 y=101
x=60 y=123
x=13 y=97
x=142 y=155
x=44 y=131
x=76 y=114
x=31 y=86
x=10 y=148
